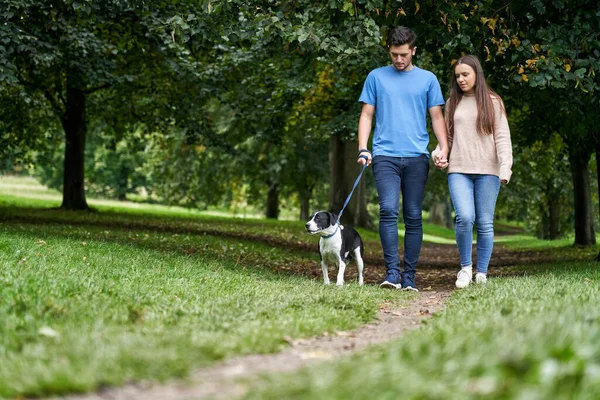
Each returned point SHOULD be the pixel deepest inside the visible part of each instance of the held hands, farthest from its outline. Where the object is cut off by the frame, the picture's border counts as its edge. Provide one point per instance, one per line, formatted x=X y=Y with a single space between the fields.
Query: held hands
x=364 y=157
x=440 y=159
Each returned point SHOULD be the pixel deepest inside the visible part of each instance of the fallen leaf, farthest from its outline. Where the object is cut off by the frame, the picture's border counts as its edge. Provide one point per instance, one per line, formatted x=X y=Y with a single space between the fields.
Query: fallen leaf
x=48 y=332
x=316 y=354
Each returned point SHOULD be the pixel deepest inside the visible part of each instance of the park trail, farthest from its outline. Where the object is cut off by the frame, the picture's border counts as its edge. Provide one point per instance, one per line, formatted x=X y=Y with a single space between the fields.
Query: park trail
x=232 y=378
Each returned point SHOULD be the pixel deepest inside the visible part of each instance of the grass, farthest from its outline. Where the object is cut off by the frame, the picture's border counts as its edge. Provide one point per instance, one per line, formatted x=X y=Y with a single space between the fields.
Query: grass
x=27 y=193
x=136 y=292
x=528 y=337
x=24 y=191
x=80 y=310
x=95 y=299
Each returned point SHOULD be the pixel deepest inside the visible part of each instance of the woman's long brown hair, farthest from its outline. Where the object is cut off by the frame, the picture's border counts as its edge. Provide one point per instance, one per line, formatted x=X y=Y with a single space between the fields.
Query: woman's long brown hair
x=484 y=97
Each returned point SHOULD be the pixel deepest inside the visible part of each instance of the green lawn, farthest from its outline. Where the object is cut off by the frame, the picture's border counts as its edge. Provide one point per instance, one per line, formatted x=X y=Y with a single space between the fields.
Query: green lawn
x=103 y=298
x=528 y=337
x=135 y=292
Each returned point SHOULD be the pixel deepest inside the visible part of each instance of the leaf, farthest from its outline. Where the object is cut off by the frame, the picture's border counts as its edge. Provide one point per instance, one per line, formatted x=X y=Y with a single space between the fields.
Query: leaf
x=418 y=7
x=531 y=63
x=525 y=78
x=48 y=332
x=580 y=73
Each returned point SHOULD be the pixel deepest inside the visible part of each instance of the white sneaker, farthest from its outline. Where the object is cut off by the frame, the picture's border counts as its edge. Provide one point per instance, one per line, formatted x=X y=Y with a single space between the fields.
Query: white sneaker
x=464 y=277
x=480 y=278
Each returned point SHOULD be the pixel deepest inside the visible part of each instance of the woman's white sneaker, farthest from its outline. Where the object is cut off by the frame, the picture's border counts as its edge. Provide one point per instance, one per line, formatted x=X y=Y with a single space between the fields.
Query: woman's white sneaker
x=480 y=278
x=464 y=277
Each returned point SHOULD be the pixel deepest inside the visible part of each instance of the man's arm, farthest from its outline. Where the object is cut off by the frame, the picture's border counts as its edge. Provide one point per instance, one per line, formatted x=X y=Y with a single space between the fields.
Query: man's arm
x=439 y=128
x=365 y=124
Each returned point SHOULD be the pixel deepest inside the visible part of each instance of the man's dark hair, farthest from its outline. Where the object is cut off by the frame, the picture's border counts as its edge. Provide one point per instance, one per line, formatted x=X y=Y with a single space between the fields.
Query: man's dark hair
x=400 y=35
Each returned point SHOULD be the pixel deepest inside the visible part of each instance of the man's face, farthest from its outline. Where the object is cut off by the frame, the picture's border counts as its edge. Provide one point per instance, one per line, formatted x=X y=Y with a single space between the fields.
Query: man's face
x=402 y=57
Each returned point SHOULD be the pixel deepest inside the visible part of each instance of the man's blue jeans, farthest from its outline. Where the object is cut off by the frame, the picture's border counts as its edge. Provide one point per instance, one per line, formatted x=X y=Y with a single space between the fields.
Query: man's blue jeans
x=474 y=199
x=406 y=175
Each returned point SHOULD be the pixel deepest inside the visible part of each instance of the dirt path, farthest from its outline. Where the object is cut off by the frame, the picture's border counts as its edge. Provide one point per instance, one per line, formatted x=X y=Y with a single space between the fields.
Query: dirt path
x=230 y=379
x=227 y=380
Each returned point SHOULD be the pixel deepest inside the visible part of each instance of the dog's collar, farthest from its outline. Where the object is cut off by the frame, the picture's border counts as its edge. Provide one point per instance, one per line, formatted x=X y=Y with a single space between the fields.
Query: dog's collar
x=337 y=226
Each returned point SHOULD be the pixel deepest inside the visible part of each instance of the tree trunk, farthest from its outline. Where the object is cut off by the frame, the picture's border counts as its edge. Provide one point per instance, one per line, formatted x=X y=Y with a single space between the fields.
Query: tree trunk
x=344 y=171
x=550 y=211
x=542 y=232
x=584 y=215
x=554 y=217
x=273 y=199
x=74 y=125
x=598 y=174
x=336 y=174
x=305 y=194
x=440 y=214
x=122 y=184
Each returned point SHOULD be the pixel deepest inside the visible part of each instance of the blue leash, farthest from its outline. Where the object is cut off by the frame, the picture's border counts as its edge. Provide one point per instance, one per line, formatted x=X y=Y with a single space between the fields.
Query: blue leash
x=349 y=197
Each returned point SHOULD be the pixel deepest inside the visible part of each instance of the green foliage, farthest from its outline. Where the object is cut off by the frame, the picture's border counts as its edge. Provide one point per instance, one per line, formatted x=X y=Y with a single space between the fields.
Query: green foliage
x=236 y=97
x=113 y=168
x=541 y=176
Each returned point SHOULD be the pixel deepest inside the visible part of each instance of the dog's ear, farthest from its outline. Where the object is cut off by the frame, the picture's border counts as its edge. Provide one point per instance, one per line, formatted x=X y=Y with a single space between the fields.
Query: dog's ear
x=332 y=218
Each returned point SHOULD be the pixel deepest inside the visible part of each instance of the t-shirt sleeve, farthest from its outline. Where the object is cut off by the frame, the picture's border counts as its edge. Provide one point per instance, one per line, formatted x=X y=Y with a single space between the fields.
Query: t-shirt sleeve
x=369 y=92
x=434 y=95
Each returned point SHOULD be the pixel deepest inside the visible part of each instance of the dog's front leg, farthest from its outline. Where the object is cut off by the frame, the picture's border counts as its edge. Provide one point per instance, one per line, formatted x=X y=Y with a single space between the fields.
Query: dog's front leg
x=340 y=275
x=325 y=274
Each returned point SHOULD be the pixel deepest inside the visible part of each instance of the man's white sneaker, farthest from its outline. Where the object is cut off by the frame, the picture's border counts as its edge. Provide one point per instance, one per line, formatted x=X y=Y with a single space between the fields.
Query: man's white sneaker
x=464 y=277
x=480 y=278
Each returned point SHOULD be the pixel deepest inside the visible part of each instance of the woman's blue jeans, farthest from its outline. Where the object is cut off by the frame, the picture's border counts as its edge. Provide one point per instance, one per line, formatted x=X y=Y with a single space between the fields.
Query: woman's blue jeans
x=474 y=199
x=406 y=175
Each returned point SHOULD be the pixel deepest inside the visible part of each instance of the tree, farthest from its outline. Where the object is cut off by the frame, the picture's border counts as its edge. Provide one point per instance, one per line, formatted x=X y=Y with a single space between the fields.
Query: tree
x=66 y=52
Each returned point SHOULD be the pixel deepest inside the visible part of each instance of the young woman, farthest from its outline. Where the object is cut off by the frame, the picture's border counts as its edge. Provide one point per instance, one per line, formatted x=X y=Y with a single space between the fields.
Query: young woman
x=480 y=159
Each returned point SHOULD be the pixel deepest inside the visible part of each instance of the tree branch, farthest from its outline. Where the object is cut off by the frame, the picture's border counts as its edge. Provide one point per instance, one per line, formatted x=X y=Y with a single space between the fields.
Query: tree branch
x=55 y=105
x=95 y=89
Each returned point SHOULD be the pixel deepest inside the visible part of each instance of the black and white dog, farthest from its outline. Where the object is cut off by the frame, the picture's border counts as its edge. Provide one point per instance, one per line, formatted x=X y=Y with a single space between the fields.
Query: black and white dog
x=337 y=245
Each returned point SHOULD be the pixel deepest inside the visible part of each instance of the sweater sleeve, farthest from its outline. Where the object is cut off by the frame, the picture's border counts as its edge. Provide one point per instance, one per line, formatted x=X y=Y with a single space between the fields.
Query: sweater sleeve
x=503 y=142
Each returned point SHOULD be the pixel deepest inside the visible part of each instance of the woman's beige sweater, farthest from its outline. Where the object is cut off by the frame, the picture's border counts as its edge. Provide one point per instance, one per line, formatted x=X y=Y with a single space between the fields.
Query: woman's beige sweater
x=472 y=153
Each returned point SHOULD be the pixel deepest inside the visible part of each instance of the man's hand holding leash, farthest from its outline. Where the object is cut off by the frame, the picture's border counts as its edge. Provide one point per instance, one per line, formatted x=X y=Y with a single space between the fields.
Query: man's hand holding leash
x=364 y=157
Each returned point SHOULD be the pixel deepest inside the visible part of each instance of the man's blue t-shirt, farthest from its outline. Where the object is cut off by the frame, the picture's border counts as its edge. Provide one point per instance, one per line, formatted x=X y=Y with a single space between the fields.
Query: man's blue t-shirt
x=401 y=100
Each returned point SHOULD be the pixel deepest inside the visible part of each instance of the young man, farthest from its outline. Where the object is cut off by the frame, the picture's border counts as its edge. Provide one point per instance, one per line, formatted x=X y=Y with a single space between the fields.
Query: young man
x=399 y=95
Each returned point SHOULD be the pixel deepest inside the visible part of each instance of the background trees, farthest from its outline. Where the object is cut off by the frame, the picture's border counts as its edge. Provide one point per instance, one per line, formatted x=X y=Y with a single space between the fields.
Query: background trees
x=203 y=103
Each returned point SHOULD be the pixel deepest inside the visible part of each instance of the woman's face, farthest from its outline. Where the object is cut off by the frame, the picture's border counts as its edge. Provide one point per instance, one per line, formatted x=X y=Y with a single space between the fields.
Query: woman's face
x=465 y=77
